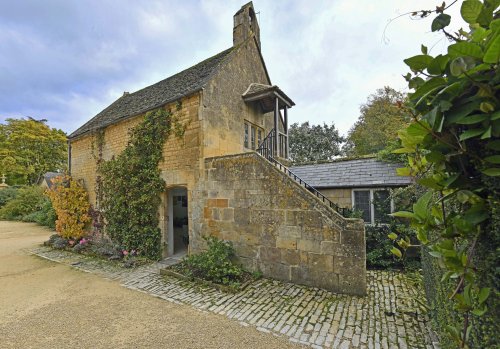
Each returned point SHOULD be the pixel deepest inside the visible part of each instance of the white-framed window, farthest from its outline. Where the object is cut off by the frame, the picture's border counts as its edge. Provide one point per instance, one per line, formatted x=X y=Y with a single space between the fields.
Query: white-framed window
x=252 y=136
x=374 y=204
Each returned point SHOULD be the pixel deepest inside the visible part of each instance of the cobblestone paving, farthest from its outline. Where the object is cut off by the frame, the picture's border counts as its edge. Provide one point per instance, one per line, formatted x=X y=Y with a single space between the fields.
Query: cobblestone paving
x=388 y=317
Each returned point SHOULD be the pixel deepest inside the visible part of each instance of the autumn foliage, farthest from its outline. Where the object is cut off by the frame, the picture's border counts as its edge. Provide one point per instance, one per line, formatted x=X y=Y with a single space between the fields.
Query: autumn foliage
x=70 y=201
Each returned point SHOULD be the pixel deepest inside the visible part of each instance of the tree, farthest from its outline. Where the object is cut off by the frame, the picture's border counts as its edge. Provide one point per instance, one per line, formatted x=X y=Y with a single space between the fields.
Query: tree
x=453 y=147
x=380 y=120
x=312 y=143
x=29 y=148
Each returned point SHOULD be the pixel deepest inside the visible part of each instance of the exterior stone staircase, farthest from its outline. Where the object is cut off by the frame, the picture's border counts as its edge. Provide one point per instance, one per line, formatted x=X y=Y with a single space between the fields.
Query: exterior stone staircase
x=268 y=147
x=278 y=224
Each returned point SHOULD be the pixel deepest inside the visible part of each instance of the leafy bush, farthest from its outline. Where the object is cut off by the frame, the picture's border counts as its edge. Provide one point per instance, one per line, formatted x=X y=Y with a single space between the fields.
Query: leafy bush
x=59 y=242
x=28 y=204
x=453 y=147
x=378 y=247
x=51 y=240
x=7 y=194
x=214 y=264
x=46 y=216
x=107 y=248
x=71 y=204
x=27 y=201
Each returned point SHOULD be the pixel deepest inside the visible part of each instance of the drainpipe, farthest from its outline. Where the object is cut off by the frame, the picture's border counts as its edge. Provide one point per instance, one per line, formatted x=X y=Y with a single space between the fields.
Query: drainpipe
x=69 y=157
x=276 y=128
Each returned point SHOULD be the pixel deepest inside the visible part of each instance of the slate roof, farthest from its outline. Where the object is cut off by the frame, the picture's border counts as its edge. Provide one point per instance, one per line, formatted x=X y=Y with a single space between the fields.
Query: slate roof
x=49 y=176
x=368 y=172
x=166 y=91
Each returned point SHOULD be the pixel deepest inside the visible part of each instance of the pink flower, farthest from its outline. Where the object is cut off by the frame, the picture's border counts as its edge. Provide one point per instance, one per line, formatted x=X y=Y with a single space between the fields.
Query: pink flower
x=71 y=242
x=125 y=252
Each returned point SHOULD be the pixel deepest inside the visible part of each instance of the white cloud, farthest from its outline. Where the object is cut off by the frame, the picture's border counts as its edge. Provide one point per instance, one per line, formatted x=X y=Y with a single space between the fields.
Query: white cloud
x=67 y=62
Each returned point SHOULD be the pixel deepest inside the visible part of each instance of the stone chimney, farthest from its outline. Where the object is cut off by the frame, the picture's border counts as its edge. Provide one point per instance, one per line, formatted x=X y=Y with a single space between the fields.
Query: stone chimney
x=245 y=24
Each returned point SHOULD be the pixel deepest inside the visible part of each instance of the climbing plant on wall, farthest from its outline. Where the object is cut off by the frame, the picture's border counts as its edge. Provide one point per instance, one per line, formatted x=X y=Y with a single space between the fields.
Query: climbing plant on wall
x=97 y=148
x=453 y=148
x=131 y=186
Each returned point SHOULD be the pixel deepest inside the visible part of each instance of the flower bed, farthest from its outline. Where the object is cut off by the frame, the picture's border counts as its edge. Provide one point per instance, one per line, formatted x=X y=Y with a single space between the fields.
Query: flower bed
x=214 y=267
x=101 y=248
x=180 y=271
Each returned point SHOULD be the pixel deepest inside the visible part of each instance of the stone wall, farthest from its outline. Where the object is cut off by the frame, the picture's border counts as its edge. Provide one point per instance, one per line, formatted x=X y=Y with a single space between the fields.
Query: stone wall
x=180 y=164
x=276 y=226
x=181 y=156
x=342 y=197
x=223 y=110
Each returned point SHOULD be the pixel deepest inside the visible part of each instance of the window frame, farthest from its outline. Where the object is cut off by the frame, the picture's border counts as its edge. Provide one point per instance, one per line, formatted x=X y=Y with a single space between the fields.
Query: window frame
x=253 y=137
x=251 y=133
x=246 y=134
x=372 y=205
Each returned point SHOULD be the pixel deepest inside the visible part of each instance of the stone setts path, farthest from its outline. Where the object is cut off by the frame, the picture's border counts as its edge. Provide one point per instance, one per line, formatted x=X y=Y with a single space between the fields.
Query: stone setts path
x=388 y=317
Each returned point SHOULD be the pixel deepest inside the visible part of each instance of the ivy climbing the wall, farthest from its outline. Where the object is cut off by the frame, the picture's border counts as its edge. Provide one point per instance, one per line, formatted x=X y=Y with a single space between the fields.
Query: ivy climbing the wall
x=131 y=186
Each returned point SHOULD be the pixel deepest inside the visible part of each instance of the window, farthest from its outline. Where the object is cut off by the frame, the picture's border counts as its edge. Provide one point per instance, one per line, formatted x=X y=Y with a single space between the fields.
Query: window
x=253 y=135
x=362 y=203
x=374 y=204
x=381 y=206
x=246 y=135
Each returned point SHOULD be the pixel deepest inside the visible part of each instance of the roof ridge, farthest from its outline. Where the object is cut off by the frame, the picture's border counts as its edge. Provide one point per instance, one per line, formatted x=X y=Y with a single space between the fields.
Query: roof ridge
x=226 y=51
x=150 y=97
x=335 y=161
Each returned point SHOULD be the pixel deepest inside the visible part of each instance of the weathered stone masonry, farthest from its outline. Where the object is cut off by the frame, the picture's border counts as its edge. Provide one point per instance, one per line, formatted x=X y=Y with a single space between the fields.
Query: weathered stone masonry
x=276 y=226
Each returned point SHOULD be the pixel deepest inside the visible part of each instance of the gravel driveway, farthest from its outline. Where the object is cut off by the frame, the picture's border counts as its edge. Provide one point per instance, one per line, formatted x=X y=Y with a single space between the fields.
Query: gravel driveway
x=49 y=305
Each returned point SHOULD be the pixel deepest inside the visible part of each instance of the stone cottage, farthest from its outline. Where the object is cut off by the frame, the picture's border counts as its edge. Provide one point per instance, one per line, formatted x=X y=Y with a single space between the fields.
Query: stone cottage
x=357 y=184
x=225 y=177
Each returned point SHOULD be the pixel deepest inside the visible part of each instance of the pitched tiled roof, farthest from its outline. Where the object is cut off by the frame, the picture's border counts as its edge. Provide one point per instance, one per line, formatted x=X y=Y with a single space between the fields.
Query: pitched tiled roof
x=49 y=177
x=156 y=95
x=368 y=172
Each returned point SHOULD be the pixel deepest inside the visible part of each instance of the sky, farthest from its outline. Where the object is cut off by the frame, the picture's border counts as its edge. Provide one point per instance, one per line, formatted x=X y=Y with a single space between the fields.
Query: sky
x=66 y=60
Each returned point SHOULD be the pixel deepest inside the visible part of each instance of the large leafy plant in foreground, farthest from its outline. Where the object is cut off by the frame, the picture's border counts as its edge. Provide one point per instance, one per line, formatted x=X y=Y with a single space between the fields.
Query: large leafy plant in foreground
x=453 y=149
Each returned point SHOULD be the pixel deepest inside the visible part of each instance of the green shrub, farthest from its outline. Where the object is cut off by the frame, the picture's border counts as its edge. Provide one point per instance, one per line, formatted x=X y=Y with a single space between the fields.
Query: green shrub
x=60 y=243
x=7 y=194
x=107 y=248
x=27 y=201
x=46 y=216
x=215 y=264
x=378 y=247
x=28 y=204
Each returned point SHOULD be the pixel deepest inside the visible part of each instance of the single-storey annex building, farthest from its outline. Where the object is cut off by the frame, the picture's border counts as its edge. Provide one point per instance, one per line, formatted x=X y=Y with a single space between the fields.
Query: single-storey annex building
x=47 y=180
x=224 y=178
x=356 y=183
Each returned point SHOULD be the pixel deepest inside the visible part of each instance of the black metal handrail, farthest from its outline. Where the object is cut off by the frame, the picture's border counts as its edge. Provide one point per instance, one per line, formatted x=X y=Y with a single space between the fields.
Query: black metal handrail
x=266 y=147
x=266 y=150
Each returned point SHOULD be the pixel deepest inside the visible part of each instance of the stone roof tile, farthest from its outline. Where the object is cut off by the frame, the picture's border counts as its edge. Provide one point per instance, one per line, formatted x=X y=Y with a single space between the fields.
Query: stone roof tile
x=351 y=174
x=156 y=95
